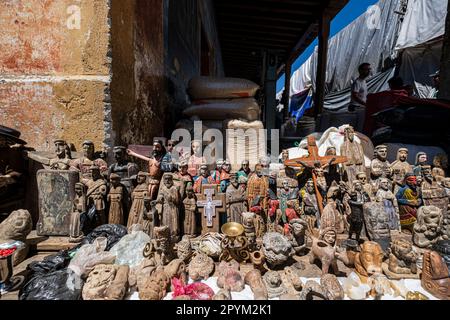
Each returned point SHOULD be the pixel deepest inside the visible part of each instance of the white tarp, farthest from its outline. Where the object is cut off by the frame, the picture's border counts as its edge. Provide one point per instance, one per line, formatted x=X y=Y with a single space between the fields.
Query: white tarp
x=424 y=21
x=370 y=38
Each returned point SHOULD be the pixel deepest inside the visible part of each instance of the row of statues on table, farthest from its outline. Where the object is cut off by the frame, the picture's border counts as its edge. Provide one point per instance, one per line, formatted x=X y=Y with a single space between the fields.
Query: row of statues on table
x=275 y=199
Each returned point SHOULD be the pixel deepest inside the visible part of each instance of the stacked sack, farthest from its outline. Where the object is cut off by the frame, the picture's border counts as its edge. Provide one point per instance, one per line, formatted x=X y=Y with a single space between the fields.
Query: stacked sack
x=229 y=103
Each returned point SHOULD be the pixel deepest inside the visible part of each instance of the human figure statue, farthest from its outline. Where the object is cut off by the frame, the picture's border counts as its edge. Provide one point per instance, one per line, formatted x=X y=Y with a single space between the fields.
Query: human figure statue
x=362 y=177
x=84 y=163
x=196 y=159
x=96 y=194
x=356 y=202
x=137 y=197
x=331 y=217
x=245 y=170
x=421 y=160
x=168 y=163
x=318 y=170
x=440 y=164
x=79 y=209
x=215 y=174
x=385 y=195
x=117 y=199
x=169 y=198
x=288 y=199
x=309 y=202
x=225 y=176
x=190 y=212
x=380 y=167
x=154 y=166
x=332 y=172
x=354 y=153
x=400 y=168
x=204 y=178
x=433 y=193
x=151 y=217
x=124 y=168
x=182 y=178
x=409 y=200
x=63 y=156
x=236 y=200
x=257 y=198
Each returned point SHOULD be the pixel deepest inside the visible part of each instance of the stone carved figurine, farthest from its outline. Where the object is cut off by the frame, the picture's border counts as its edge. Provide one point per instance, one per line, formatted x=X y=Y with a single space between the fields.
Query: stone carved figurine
x=182 y=178
x=377 y=224
x=440 y=164
x=331 y=217
x=402 y=261
x=309 y=201
x=427 y=227
x=421 y=160
x=323 y=248
x=195 y=159
x=435 y=275
x=151 y=218
x=432 y=191
x=356 y=218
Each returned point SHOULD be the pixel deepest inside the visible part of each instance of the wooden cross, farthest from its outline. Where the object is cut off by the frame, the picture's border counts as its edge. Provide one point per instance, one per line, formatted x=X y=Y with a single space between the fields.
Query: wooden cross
x=210 y=206
x=311 y=161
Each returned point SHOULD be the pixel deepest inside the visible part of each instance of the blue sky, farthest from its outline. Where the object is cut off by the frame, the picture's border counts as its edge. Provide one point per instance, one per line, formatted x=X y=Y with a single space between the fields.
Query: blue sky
x=351 y=11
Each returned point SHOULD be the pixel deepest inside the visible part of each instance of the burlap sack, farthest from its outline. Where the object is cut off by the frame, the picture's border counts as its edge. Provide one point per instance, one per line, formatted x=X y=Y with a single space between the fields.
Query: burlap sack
x=220 y=109
x=219 y=88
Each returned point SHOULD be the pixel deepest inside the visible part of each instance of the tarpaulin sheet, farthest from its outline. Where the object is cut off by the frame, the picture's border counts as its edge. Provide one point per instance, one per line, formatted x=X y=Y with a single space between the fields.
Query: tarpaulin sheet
x=370 y=38
x=424 y=20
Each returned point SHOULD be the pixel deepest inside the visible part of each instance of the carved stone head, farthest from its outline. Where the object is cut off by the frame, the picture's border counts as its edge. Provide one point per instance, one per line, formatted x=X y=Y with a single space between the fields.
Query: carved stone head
x=421 y=158
x=17 y=226
x=119 y=153
x=168 y=180
x=298 y=226
x=429 y=220
x=361 y=176
x=60 y=148
x=384 y=184
x=328 y=235
x=79 y=189
x=184 y=249
x=403 y=250
x=114 y=179
x=141 y=177
x=248 y=219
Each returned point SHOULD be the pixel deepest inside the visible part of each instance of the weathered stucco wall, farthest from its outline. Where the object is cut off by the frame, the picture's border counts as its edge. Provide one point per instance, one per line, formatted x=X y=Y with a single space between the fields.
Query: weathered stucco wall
x=55 y=70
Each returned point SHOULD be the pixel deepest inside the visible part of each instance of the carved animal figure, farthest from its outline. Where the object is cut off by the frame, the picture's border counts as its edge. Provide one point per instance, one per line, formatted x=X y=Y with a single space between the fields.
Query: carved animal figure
x=324 y=249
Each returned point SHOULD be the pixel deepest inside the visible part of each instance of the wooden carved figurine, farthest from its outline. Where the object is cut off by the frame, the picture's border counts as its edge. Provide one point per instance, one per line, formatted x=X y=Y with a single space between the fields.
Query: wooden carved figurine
x=215 y=174
x=182 y=178
x=323 y=248
x=96 y=194
x=137 y=196
x=196 y=159
x=63 y=156
x=400 y=168
x=356 y=219
x=362 y=177
x=421 y=160
x=432 y=192
x=331 y=216
x=118 y=200
x=154 y=166
x=409 y=200
x=79 y=208
x=190 y=212
x=225 y=176
x=309 y=202
x=380 y=167
x=123 y=168
x=169 y=199
x=440 y=164
x=385 y=195
x=204 y=178
x=245 y=170
x=354 y=153
x=83 y=164
x=236 y=200
x=151 y=217
x=257 y=198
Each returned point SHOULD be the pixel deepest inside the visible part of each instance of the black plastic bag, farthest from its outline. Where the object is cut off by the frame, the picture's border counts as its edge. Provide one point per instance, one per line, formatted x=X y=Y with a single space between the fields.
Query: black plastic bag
x=113 y=232
x=50 y=263
x=61 y=284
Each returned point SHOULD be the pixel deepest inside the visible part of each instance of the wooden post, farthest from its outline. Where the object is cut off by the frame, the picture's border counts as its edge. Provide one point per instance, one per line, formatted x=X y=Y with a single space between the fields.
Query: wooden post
x=444 y=73
x=324 y=33
x=287 y=88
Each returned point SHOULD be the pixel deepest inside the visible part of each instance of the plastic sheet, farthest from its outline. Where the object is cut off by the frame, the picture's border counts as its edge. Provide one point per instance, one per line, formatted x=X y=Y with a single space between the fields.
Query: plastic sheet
x=50 y=263
x=113 y=233
x=57 y=285
x=89 y=255
x=129 y=249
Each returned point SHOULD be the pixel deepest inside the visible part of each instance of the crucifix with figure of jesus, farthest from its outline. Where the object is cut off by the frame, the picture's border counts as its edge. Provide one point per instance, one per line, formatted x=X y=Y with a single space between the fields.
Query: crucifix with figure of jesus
x=313 y=161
